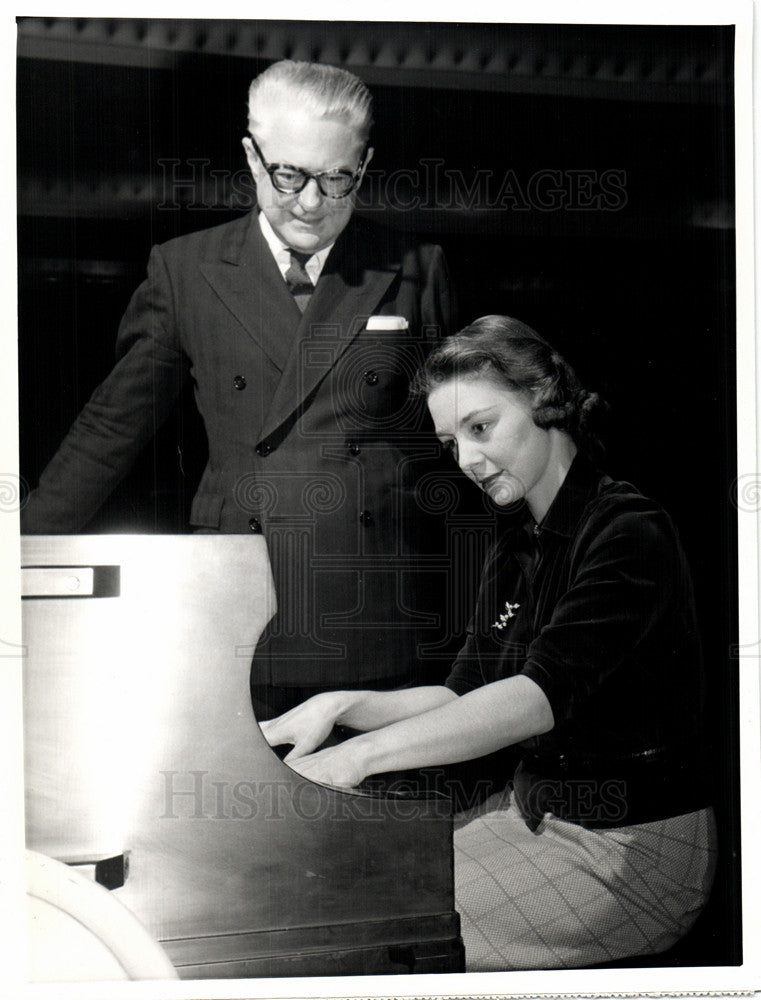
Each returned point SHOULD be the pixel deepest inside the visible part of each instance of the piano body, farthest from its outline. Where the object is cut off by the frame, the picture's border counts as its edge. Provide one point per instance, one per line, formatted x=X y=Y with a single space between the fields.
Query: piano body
x=145 y=767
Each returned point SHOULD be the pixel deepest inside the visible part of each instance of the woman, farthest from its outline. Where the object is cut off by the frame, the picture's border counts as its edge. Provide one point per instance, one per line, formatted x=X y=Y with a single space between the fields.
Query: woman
x=583 y=649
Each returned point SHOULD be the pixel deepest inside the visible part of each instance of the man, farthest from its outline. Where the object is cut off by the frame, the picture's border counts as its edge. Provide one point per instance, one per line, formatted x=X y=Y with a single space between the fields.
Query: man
x=300 y=328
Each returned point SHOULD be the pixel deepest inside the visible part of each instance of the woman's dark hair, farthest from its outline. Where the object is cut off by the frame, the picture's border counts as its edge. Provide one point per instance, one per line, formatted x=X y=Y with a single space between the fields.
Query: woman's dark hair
x=514 y=355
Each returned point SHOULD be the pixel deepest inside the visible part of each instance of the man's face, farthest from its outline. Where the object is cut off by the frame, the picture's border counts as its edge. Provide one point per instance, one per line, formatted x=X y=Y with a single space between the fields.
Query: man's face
x=307 y=221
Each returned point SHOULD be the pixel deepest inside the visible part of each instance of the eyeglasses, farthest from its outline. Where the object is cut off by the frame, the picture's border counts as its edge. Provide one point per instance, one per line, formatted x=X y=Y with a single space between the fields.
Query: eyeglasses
x=291 y=180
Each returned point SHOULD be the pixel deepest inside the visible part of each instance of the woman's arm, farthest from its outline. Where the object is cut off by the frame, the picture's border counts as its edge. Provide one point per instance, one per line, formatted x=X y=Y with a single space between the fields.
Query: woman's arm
x=308 y=725
x=479 y=722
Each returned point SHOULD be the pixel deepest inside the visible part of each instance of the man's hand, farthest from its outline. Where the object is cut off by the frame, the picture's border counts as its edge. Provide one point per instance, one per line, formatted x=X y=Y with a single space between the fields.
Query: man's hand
x=306 y=726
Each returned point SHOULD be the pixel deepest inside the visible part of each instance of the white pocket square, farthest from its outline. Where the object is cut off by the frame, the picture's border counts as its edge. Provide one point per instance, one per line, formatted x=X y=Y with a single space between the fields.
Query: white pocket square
x=387 y=323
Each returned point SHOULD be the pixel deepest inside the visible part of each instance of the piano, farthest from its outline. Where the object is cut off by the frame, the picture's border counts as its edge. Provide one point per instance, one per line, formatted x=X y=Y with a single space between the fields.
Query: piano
x=146 y=770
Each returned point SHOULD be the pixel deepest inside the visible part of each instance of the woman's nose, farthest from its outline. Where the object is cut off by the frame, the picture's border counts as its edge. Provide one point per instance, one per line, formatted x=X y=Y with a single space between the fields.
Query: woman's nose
x=469 y=457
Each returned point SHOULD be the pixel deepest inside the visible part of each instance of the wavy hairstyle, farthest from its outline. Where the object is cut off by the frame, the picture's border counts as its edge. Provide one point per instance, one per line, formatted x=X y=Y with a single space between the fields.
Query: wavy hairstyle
x=325 y=91
x=512 y=354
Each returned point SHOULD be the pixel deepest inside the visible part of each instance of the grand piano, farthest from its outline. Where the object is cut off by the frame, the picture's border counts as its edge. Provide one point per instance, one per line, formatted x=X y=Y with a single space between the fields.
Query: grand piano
x=146 y=770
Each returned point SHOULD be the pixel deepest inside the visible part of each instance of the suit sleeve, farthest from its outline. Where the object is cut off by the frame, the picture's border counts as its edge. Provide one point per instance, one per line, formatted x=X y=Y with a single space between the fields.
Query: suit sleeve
x=121 y=416
x=439 y=303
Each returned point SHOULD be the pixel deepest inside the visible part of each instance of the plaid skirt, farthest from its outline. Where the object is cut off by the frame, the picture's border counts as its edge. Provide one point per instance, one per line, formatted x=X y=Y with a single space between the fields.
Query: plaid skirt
x=564 y=896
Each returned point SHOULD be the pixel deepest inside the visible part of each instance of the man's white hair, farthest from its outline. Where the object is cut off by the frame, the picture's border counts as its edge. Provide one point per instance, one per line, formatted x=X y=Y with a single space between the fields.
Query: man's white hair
x=326 y=91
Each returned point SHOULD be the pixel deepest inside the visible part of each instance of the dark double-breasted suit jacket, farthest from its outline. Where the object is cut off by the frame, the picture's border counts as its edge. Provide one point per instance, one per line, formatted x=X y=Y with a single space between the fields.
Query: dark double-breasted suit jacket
x=313 y=439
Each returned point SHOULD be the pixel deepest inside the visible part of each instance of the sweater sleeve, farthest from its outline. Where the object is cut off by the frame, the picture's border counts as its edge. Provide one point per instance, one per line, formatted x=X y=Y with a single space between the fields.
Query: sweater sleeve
x=626 y=573
x=465 y=674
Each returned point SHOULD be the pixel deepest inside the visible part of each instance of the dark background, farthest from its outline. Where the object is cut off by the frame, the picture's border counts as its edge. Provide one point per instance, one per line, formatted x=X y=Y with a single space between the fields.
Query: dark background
x=638 y=295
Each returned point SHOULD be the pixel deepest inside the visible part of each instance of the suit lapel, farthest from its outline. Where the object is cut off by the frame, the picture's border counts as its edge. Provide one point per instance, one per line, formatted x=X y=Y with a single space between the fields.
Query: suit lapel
x=350 y=287
x=249 y=283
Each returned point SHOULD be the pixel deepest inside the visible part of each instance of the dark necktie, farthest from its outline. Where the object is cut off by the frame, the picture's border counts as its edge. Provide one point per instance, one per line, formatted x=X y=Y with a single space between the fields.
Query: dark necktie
x=297 y=279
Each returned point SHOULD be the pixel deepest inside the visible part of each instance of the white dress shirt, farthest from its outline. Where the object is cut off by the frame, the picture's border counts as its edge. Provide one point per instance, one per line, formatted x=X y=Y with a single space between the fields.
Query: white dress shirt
x=282 y=255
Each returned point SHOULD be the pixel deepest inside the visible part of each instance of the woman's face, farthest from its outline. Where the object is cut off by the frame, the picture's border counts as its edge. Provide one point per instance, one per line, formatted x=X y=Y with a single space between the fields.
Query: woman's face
x=493 y=437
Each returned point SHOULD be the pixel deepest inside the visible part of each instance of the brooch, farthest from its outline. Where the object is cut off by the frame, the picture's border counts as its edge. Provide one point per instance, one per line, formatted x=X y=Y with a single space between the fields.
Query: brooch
x=506 y=616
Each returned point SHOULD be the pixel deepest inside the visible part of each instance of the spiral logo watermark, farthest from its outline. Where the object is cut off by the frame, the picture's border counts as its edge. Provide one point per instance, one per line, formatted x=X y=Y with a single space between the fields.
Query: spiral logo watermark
x=436 y=494
x=293 y=493
x=324 y=495
x=254 y=495
x=507 y=492
x=746 y=493
x=14 y=493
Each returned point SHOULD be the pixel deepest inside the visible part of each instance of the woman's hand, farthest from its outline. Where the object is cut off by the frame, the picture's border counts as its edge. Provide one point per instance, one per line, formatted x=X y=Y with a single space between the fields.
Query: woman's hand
x=306 y=726
x=450 y=729
x=341 y=766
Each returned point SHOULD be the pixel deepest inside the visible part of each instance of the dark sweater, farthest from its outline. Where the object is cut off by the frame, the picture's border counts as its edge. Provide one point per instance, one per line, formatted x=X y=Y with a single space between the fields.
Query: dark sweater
x=606 y=626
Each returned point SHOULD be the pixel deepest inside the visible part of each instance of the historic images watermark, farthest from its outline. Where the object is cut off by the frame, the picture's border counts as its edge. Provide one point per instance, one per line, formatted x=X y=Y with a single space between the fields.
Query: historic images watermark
x=427 y=794
x=197 y=795
x=195 y=185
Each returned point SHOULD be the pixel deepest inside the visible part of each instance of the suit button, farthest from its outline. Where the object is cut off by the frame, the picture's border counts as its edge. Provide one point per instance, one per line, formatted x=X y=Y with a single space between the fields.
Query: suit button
x=239 y=381
x=353 y=447
x=255 y=525
x=366 y=518
x=370 y=377
x=263 y=449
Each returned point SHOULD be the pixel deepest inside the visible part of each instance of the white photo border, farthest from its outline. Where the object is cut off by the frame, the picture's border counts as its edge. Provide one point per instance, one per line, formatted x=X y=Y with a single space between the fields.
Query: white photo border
x=738 y=981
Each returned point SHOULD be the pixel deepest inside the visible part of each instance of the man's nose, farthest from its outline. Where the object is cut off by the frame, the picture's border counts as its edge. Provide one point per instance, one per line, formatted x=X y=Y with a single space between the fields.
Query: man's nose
x=310 y=195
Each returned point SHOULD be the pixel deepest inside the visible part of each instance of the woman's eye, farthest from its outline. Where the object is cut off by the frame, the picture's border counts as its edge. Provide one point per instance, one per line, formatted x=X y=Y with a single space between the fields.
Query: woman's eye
x=478 y=428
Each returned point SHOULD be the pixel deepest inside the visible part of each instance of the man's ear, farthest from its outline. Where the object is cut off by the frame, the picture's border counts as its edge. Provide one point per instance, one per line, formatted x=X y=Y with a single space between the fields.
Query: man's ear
x=251 y=158
x=368 y=157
